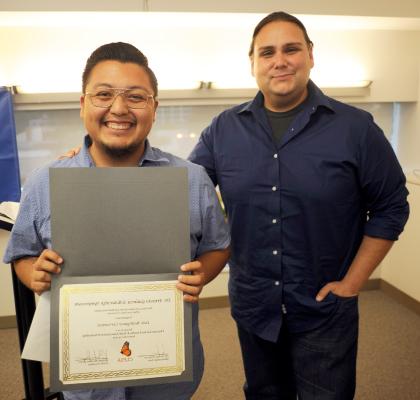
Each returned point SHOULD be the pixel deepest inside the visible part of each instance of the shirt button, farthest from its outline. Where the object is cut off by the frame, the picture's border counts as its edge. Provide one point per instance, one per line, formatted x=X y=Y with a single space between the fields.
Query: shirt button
x=277 y=283
x=275 y=252
x=275 y=155
x=274 y=221
x=274 y=188
x=293 y=129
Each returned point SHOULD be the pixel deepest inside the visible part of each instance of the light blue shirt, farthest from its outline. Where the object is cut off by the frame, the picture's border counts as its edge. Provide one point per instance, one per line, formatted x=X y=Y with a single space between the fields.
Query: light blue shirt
x=31 y=234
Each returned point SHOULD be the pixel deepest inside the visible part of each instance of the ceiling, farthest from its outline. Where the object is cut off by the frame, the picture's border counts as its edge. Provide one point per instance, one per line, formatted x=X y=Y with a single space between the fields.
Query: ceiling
x=383 y=8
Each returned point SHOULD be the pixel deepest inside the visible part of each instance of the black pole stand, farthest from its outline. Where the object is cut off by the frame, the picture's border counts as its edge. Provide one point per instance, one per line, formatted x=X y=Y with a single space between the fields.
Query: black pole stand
x=25 y=308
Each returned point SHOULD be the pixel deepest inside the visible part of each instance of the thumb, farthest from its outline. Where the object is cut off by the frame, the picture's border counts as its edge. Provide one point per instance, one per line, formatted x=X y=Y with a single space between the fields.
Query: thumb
x=191 y=266
x=323 y=293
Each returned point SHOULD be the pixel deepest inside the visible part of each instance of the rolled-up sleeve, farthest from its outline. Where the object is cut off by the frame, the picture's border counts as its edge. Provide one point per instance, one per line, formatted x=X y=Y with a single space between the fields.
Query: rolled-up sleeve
x=31 y=232
x=383 y=187
x=24 y=240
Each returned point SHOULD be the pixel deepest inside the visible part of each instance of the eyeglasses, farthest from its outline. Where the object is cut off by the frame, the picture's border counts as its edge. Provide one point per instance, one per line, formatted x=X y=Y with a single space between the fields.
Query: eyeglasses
x=134 y=98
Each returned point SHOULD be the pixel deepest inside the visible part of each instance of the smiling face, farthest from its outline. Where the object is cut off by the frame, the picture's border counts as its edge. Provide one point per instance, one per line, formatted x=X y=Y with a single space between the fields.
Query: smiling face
x=118 y=133
x=281 y=64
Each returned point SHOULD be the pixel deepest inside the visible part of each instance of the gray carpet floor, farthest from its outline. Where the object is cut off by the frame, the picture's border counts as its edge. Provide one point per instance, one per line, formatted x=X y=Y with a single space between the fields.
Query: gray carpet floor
x=388 y=361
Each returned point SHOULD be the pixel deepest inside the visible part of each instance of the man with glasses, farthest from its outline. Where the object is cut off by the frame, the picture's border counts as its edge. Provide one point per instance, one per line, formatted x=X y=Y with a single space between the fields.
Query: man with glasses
x=315 y=198
x=118 y=107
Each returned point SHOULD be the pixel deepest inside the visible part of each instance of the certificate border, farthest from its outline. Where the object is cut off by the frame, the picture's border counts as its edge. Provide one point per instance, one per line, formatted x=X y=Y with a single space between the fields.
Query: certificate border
x=67 y=290
x=55 y=382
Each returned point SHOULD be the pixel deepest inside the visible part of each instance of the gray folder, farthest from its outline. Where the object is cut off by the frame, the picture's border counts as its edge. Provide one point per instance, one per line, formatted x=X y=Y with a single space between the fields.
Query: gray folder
x=127 y=222
x=131 y=220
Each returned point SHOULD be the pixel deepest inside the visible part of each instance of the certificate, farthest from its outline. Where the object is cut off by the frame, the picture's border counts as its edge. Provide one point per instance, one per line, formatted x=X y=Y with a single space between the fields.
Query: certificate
x=120 y=331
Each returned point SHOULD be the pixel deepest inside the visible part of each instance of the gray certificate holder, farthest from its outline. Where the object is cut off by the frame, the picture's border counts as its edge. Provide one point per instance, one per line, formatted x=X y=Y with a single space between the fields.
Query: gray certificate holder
x=108 y=222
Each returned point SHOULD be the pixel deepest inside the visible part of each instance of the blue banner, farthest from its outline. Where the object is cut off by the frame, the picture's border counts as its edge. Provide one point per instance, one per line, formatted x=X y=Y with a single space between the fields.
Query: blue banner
x=9 y=161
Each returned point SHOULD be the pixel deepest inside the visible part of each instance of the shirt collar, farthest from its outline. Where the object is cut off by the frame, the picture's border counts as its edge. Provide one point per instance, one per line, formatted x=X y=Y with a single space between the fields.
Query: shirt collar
x=317 y=98
x=256 y=103
x=153 y=155
x=150 y=155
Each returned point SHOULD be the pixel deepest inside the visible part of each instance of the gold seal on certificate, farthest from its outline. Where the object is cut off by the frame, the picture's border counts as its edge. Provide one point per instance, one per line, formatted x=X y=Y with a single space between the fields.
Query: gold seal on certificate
x=120 y=331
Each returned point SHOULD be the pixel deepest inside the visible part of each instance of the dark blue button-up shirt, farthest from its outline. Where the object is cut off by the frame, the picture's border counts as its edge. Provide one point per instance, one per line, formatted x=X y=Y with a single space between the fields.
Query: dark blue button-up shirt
x=298 y=211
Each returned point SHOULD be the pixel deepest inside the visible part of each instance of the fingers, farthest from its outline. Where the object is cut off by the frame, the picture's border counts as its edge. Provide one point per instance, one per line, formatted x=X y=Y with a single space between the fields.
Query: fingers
x=71 y=153
x=192 y=280
x=40 y=284
x=191 y=266
x=191 y=284
x=190 y=299
x=45 y=265
x=339 y=288
x=191 y=292
x=48 y=261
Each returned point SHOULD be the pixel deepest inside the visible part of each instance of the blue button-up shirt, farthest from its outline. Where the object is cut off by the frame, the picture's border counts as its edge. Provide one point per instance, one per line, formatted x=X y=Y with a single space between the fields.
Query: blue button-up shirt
x=208 y=231
x=299 y=210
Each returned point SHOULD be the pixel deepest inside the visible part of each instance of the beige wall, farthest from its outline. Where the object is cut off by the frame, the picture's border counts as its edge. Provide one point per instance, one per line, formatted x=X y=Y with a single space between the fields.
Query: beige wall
x=36 y=56
x=402 y=8
x=409 y=138
x=402 y=266
x=388 y=57
x=7 y=306
x=217 y=287
x=396 y=65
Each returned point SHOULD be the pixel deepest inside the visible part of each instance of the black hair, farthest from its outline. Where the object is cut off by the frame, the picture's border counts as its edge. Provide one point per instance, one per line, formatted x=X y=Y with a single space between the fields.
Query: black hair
x=122 y=52
x=278 y=16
